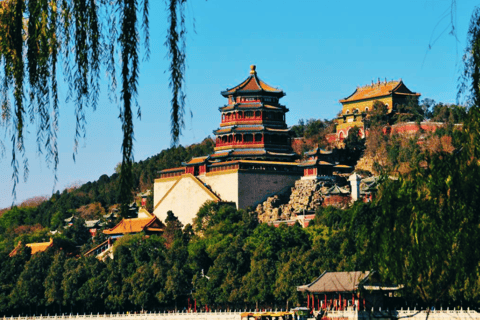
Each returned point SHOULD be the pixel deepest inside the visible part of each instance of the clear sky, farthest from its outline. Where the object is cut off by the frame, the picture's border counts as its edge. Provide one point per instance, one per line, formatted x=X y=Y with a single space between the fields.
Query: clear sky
x=316 y=51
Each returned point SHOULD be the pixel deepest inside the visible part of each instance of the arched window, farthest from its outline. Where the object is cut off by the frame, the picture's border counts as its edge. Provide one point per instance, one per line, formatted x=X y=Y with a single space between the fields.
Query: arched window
x=257 y=114
x=366 y=109
x=258 y=137
x=248 y=138
x=347 y=112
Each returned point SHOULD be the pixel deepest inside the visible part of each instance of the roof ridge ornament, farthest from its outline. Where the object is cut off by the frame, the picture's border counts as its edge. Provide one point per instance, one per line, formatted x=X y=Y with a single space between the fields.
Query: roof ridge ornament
x=252 y=69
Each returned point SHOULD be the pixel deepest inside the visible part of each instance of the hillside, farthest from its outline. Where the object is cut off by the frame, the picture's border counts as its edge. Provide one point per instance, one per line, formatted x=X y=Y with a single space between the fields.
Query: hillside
x=91 y=199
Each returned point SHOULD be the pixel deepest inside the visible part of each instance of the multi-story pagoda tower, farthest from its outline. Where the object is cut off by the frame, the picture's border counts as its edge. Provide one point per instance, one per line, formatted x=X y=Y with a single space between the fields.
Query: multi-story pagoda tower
x=253 y=123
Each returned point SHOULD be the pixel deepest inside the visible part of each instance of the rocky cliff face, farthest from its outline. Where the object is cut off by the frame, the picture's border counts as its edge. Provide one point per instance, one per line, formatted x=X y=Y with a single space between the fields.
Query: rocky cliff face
x=307 y=195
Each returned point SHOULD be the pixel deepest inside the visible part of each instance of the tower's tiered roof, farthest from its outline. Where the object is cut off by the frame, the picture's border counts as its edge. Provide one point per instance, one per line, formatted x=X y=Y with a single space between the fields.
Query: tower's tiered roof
x=253 y=123
x=253 y=84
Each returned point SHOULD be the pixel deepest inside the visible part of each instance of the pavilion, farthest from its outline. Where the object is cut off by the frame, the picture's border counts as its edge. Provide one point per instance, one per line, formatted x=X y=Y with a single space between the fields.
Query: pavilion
x=357 y=290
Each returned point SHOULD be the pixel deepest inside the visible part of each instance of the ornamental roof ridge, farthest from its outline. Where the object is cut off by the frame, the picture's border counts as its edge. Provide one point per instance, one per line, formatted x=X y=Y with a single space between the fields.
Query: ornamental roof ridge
x=252 y=84
x=378 y=89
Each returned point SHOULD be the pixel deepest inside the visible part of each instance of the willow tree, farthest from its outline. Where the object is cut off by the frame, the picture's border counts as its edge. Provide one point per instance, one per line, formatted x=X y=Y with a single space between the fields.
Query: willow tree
x=422 y=231
x=77 y=39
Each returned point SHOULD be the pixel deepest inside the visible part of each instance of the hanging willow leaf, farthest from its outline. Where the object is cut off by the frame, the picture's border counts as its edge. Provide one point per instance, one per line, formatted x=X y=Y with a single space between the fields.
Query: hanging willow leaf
x=176 y=45
x=36 y=34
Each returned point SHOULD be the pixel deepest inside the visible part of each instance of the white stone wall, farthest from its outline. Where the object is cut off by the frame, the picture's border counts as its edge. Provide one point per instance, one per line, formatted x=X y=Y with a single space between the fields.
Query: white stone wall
x=184 y=198
x=224 y=184
x=161 y=187
x=254 y=187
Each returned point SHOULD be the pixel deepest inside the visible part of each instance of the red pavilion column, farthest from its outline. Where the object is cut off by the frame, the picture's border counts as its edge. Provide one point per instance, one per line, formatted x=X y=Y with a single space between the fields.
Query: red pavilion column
x=308 y=300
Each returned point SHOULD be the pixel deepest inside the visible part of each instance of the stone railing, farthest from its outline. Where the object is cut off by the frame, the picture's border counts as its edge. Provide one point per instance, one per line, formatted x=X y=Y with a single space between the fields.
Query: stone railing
x=235 y=315
x=215 y=315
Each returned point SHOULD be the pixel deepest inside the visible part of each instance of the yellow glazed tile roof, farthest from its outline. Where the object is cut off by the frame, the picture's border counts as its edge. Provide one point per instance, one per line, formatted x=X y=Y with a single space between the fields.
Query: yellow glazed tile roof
x=197 y=160
x=173 y=169
x=40 y=246
x=35 y=247
x=134 y=225
x=373 y=91
x=253 y=152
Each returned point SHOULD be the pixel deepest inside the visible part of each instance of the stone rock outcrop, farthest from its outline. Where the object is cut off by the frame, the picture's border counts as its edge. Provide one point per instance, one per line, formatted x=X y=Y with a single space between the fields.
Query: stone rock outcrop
x=305 y=196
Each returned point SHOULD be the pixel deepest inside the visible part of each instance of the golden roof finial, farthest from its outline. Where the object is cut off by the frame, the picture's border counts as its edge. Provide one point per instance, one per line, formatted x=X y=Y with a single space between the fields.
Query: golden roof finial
x=252 y=69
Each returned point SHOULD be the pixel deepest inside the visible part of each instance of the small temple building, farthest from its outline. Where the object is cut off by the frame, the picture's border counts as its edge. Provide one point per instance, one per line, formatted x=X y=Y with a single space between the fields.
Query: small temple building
x=145 y=222
x=35 y=247
x=355 y=290
x=355 y=107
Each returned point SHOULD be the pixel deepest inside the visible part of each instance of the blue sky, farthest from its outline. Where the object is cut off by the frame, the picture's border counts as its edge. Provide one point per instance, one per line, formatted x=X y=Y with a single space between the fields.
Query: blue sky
x=316 y=51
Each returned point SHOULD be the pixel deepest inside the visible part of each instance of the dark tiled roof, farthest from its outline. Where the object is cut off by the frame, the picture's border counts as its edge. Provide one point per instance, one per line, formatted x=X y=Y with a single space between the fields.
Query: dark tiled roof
x=336 y=282
x=337 y=190
x=317 y=151
x=315 y=163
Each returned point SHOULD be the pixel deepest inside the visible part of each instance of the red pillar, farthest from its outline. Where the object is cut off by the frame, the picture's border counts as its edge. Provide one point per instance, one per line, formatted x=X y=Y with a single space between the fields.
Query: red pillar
x=195 y=305
x=325 y=306
x=340 y=300
x=353 y=300
x=308 y=300
x=313 y=302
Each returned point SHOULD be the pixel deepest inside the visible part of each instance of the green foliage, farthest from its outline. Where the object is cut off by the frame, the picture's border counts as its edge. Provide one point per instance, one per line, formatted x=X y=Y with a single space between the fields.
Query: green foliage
x=378 y=116
x=103 y=192
x=424 y=233
x=410 y=111
x=449 y=113
x=314 y=129
x=355 y=145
